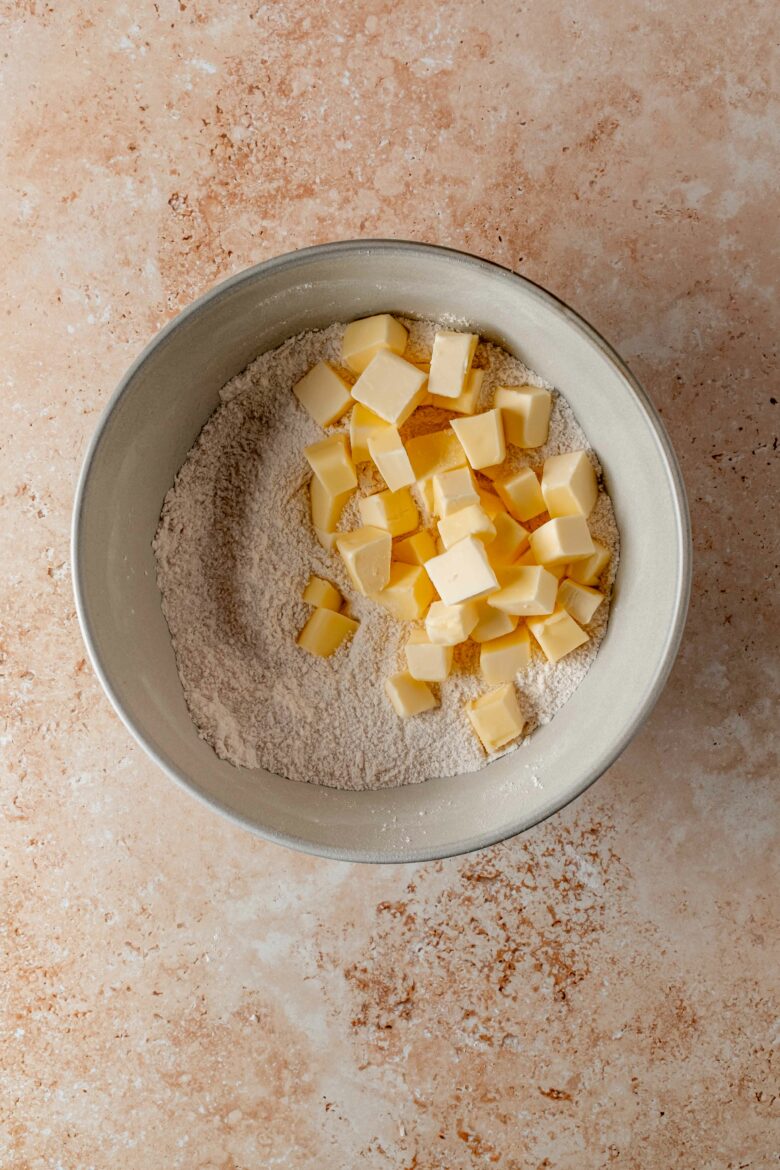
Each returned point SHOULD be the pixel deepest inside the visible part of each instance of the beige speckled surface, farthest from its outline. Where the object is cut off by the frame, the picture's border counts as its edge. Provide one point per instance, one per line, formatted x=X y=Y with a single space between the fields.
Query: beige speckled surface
x=598 y=993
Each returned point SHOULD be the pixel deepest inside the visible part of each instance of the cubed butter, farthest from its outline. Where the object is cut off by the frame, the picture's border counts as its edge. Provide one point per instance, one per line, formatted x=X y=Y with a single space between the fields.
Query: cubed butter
x=363 y=339
x=496 y=717
x=408 y=593
x=528 y=558
x=521 y=493
x=569 y=485
x=492 y=623
x=562 y=540
x=330 y=461
x=501 y=659
x=409 y=696
x=447 y=625
x=482 y=438
x=451 y=361
x=510 y=540
x=415 y=550
x=453 y=490
x=321 y=593
x=366 y=554
x=324 y=394
x=557 y=634
x=325 y=631
x=525 y=589
x=363 y=423
x=465 y=403
x=427 y=660
x=526 y=411
x=425 y=488
x=490 y=502
x=435 y=453
x=389 y=454
x=588 y=572
x=326 y=507
x=396 y=512
x=462 y=573
x=579 y=600
x=497 y=470
x=470 y=521
x=390 y=386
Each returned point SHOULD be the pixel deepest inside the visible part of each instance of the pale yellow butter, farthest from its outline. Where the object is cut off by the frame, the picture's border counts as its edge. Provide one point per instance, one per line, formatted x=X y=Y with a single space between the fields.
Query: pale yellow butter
x=588 y=571
x=465 y=403
x=325 y=631
x=447 y=625
x=510 y=540
x=366 y=554
x=463 y=572
x=390 y=386
x=363 y=423
x=492 y=623
x=490 y=502
x=470 y=521
x=363 y=339
x=330 y=461
x=502 y=659
x=435 y=453
x=408 y=593
x=562 y=540
x=569 y=485
x=453 y=490
x=496 y=717
x=427 y=660
x=415 y=550
x=526 y=411
x=324 y=394
x=579 y=600
x=525 y=589
x=451 y=361
x=482 y=438
x=396 y=512
x=321 y=593
x=409 y=696
x=557 y=634
x=528 y=558
x=522 y=494
x=389 y=454
x=326 y=507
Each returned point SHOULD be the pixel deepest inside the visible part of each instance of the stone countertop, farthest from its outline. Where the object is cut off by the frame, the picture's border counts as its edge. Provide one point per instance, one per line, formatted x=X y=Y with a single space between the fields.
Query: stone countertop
x=596 y=993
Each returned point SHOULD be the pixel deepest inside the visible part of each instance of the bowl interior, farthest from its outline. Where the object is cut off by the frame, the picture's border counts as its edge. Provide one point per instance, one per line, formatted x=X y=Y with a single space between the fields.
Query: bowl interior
x=159 y=410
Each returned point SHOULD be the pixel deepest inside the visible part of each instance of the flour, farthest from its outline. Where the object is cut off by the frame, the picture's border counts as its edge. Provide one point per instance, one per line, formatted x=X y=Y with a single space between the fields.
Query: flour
x=234 y=550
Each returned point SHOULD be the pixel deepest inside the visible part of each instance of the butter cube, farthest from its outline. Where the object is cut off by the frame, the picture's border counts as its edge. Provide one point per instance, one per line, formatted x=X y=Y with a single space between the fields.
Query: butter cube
x=528 y=558
x=331 y=463
x=557 y=634
x=326 y=507
x=326 y=539
x=322 y=594
x=408 y=593
x=435 y=453
x=363 y=339
x=497 y=470
x=579 y=600
x=490 y=502
x=325 y=631
x=366 y=553
x=465 y=403
x=501 y=659
x=362 y=424
x=396 y=512
x=492 y=623
x=453 y=490
x=510 y=540
x=447 y=625
x=521 y=494
x=587 y=572
x=389 y=454
x=526 y=411
x=482 y=438
x=408 y=695
x=415 y=550
x=565 y=539
x=391 y=387
x=324 y=394
x=462 y=573
x=425 y=488
x=525 y=589
x=470 y=521
x=569 y=485
x=451 y=361
x=427 y=660
x=496 y=717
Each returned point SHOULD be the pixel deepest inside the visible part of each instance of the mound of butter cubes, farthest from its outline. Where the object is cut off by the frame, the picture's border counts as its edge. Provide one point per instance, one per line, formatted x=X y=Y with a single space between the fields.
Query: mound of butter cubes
x=458 y=545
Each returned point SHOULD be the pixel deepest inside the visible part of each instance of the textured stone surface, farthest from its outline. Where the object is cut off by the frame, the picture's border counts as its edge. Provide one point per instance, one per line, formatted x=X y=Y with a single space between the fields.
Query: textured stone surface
x=598 y=993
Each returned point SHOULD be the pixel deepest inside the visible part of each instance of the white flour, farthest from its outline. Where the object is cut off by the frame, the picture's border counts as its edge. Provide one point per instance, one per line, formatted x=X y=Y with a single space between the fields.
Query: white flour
x=234 y=550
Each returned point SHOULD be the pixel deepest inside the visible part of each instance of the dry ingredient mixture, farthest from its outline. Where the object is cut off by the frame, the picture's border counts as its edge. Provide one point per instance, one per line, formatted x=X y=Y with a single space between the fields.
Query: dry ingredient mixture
x=235 y=548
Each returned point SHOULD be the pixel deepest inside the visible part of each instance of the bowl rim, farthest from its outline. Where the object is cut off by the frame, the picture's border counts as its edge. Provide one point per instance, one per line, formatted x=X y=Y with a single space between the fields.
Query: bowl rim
x=674 y=633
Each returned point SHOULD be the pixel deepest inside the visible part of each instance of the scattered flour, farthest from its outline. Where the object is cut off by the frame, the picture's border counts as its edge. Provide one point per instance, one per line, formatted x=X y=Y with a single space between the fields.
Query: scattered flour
x=235 y=548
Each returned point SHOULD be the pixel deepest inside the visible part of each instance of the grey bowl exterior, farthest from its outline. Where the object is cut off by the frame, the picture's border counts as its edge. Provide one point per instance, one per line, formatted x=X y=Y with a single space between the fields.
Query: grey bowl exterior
x=158 y=410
